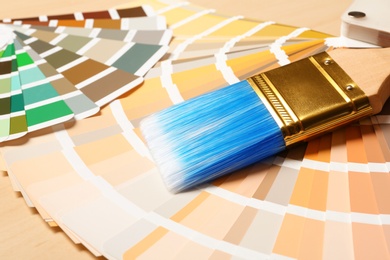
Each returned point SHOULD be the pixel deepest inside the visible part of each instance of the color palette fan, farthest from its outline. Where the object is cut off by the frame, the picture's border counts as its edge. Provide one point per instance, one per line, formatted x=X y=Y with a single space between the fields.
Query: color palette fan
x=94 y=178
x=52 y=77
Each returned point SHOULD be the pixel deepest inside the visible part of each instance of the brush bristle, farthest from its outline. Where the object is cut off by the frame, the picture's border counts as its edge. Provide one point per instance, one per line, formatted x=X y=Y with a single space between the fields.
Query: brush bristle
x=211 y=135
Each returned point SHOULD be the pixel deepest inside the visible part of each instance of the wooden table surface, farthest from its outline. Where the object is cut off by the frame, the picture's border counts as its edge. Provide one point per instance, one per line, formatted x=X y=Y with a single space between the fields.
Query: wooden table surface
x=23 y=234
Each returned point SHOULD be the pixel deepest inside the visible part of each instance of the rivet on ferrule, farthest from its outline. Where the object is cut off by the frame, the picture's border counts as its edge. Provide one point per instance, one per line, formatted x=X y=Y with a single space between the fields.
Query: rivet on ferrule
x=327 y=62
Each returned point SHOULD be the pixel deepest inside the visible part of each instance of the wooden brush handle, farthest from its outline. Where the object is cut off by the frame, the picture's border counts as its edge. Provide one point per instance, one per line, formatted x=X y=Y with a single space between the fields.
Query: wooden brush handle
x=370 y=69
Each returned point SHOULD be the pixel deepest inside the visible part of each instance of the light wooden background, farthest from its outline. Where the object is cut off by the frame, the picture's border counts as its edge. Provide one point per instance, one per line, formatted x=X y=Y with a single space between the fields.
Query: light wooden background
x=23 y=234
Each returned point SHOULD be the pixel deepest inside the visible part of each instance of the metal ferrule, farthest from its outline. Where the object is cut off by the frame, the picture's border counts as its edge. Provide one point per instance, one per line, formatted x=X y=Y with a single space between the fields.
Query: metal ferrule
x=310 y=97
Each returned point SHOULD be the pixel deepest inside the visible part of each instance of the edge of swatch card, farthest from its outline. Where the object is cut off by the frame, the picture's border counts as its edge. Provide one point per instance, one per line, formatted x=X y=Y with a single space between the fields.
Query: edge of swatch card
x=148 y=9
x=6 y=35
x=161 y=22
x=166 y=37
x=51 y=122
x=117 y=93
x=16 y=136
x=345 y=42
x=144 y=23
x=152 y=61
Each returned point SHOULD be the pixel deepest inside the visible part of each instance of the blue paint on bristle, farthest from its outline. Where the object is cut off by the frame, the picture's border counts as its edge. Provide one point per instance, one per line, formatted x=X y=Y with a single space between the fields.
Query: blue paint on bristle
x=211 y=135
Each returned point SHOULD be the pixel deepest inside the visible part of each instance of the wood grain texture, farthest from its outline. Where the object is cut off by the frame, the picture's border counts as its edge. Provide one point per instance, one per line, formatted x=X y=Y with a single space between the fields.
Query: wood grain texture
x=23 y=234
x=370 y=69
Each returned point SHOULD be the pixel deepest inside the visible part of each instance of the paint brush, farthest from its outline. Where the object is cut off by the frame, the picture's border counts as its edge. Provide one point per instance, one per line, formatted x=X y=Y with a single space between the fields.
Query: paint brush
x=222 y=131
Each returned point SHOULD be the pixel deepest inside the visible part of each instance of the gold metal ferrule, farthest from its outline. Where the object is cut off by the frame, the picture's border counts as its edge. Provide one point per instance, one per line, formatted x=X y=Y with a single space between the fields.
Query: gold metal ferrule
x=310 y=97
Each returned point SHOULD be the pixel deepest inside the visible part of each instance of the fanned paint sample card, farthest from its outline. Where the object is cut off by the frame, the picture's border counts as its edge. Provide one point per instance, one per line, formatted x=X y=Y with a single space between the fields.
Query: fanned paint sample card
x=51 y=76
x=95 y=179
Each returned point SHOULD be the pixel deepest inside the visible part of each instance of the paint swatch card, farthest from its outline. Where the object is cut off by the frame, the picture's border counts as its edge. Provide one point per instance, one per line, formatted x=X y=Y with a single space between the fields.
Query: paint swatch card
x=113 y=14
x=6 y=61
x=135 y=58
x=136 y=23
x=64 y=76
x=95 y=178
x=158 y=37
